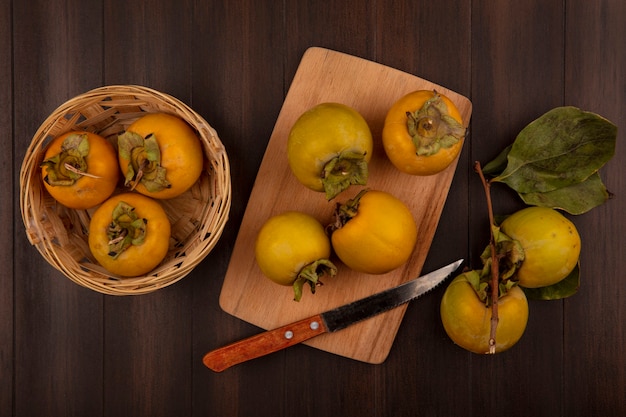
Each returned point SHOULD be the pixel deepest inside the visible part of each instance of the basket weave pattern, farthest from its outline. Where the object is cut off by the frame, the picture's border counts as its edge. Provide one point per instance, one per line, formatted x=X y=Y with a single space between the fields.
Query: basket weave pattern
x=198 y=216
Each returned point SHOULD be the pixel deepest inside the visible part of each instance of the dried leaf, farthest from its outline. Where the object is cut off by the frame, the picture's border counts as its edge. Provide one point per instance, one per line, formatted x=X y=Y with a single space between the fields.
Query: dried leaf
x=561 y=148
x=554 y=161
x=575 y=199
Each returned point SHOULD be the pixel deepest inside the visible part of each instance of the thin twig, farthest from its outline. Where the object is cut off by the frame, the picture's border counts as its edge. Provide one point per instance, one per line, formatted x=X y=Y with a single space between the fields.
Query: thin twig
x=495 y=272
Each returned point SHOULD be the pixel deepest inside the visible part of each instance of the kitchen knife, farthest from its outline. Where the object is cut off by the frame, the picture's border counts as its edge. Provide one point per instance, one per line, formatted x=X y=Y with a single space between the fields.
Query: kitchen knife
x=327 y=322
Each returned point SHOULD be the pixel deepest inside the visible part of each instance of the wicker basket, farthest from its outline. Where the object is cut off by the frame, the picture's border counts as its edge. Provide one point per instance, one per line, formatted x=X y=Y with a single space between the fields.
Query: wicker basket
x=198 y=216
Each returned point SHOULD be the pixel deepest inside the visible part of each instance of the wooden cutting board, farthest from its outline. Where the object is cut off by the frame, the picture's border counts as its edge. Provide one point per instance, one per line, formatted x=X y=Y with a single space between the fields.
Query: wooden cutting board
x=324 y=76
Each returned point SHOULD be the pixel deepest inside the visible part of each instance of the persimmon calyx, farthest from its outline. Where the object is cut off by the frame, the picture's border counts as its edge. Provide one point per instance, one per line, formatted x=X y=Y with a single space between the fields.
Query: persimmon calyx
x=342 y=171
x=432 y=128
x=310 y=274
x=125 y=230
x=69 y=165
x=144 y=164
x=509 y=253
x=346 y=211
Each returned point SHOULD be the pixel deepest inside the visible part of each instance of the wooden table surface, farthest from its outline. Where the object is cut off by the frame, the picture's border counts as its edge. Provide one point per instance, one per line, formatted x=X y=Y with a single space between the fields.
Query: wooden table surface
x=69 y=351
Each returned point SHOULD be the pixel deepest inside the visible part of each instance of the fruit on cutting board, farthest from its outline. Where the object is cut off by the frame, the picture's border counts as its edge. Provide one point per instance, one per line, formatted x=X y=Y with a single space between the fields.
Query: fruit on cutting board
x=160 y=156
x=329 y=147
x=292 y=249
x=129 y=234
x=80 y=169
x=423 y=133
x=374 y=232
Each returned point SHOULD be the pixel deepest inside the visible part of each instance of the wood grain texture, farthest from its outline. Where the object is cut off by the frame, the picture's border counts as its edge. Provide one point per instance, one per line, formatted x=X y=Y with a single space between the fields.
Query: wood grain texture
x=509 y=90
x=157 y=327
x=63 y=320
x=67 y=351
x=419 y=360
x=8 y=164
x=329 y=76
x=594 y=325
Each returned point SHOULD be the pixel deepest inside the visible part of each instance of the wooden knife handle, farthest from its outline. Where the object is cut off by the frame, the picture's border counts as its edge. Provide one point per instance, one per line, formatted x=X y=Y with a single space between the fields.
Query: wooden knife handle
x=264 y=343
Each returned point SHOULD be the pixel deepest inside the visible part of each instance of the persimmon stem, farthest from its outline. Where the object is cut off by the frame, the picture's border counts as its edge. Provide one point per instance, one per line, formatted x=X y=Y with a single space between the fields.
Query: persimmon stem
x=79 y=172
x=495 y=272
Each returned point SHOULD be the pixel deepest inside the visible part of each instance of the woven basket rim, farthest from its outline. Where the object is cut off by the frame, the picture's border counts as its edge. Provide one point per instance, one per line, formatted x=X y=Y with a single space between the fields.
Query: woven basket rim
x=205 y=208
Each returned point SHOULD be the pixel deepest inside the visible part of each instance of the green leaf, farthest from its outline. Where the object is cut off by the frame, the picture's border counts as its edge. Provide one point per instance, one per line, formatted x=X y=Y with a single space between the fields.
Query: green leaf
x=561 y=148
x=498 y=165
x=567 y=287
x=574 y=199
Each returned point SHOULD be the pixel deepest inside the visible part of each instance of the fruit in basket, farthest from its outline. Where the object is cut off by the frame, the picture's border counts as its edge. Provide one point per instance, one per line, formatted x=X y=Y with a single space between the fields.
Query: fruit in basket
x=466 y=315
x=293 y=249
x=423 y=133
x=80 y=169
x=129 y=234
x=374 y=232
x=551 y=245
x=329 y=147
x=160 y=155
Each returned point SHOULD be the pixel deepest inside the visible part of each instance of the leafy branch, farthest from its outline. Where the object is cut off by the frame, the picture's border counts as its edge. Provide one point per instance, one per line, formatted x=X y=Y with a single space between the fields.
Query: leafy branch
x=553 y=162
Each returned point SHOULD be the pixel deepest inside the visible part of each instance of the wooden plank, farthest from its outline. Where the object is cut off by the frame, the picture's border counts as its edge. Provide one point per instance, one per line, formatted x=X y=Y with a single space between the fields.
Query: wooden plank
x=351 y=27
x=326 y=75
x=595 y=80
x=147 y=345
x=238 y=87
x=423 y=357
x=7 y=221
x=513 y=82
x=58 y=325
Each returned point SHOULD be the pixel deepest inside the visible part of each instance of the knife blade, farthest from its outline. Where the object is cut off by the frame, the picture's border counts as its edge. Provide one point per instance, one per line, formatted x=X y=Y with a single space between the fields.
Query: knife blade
x=330 y=321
